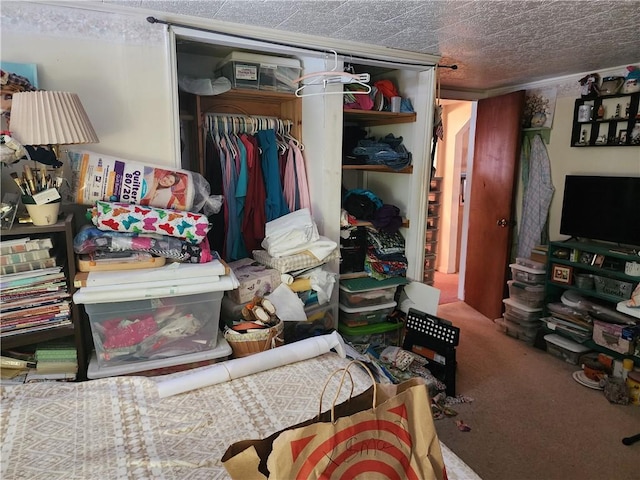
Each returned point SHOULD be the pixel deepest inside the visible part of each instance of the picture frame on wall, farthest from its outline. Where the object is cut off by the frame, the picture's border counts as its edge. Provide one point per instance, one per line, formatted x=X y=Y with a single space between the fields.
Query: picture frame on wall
x=562 y=274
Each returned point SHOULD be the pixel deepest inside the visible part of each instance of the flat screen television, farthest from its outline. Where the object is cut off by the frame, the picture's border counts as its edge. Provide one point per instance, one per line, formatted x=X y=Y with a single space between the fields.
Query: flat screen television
x=602 y=208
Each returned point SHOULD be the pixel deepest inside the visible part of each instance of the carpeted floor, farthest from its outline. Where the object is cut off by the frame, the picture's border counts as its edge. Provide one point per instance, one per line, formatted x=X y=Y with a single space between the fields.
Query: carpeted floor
x=529 y=419
x=447 y=283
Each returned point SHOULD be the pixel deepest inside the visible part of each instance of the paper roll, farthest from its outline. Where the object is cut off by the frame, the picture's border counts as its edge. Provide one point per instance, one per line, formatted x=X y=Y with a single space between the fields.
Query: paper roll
x=241 y=367
x=286 y=278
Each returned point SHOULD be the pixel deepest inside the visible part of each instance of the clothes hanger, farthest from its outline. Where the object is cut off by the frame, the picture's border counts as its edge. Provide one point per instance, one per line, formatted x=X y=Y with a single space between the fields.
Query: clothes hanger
x=333 y=76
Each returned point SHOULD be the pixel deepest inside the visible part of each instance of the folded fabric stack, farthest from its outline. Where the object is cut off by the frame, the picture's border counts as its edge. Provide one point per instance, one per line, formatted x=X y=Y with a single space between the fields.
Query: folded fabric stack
x=123 y=230
x=289 y=272
x=385 y=255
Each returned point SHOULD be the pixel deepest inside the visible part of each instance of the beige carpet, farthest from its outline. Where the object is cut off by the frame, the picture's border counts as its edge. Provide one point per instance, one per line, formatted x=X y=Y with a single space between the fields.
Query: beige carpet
x=448 y=286
x=529 y=418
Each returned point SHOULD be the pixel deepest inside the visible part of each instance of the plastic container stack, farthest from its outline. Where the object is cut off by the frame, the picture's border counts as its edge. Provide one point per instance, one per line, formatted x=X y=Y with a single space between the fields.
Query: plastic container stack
x=523 y=308
x=365 y=306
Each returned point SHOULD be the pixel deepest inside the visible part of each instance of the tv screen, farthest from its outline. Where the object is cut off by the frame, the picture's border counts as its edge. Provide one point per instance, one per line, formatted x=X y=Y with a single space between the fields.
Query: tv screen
x=602 y=208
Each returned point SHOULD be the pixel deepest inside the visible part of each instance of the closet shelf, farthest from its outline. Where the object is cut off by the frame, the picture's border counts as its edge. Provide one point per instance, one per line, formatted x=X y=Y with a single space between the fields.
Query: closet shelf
x=377 y=168
x=370 y=118
x=364 y=223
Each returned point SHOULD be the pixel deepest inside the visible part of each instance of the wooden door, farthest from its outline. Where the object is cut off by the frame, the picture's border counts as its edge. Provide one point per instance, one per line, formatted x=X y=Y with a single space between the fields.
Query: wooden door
x=493 y=180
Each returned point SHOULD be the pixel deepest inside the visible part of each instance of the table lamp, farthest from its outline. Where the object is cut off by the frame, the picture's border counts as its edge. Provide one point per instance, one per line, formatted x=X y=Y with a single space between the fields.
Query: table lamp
x=50 y=118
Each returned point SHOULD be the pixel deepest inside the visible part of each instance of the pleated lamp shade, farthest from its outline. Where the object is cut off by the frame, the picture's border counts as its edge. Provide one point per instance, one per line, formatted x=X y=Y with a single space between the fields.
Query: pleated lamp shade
x=50 y=118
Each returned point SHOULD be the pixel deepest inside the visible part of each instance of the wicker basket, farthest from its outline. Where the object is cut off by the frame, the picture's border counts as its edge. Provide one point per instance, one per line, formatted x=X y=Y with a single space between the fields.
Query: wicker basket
x=245 y=344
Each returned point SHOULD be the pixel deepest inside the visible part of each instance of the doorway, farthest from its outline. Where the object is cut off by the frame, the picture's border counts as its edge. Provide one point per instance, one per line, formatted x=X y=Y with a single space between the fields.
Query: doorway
x=450 y=161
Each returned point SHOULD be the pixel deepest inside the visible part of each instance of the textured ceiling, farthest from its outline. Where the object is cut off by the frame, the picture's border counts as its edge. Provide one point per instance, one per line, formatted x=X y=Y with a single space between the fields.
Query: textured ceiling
x=495 y=44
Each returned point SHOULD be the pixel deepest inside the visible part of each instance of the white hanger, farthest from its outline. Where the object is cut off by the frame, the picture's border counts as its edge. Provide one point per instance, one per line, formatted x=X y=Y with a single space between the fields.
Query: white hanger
x=331 y=77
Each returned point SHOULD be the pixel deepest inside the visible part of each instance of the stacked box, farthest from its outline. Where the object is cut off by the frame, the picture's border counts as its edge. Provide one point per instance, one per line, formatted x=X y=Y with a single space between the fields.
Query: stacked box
x=248 y=70
x=385 y=333
x=356 y=317
x=530 y=295
x=162 y=366
x=532 y=276
x=136 y=331
x=564 y=348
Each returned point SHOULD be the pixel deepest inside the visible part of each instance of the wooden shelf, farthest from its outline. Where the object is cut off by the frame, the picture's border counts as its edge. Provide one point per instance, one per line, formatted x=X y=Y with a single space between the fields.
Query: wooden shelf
x=371 y=118
x=377 y=168
x=63 y=231
x=29 y=338
x=364 y=223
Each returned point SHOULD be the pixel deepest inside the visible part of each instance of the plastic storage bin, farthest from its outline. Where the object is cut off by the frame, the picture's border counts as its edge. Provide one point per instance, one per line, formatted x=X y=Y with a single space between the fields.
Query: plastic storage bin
x=584 y=281
x=525 y=294
x=428 y=275
x=516 y=330
x=320 y=321
x=521 y=313
x=153 y=328
x=527 y=262
x=613 y=287
x=367 y=298
x=432 y=222
x=563 y=348
x=429 y=262
x=430 y=248
x=385 y=333
x=431 y=235
x=264 y=72
x=355 y=317
x=520 y=273
x=162 y=366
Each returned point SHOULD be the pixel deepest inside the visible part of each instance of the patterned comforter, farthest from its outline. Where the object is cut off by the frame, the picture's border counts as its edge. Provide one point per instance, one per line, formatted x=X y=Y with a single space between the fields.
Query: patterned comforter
x=119 y=428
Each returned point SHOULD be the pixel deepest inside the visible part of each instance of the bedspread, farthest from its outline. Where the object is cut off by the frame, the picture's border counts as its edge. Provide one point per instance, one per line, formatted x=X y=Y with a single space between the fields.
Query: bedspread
x=116 y=428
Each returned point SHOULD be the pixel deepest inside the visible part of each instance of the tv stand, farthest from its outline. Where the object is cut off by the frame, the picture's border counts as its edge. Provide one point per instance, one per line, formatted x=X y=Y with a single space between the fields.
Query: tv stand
x=597 y=271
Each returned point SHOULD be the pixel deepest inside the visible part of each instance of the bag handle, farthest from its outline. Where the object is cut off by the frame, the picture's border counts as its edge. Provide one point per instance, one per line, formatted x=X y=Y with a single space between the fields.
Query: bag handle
x=327 y=383
x=345 y=372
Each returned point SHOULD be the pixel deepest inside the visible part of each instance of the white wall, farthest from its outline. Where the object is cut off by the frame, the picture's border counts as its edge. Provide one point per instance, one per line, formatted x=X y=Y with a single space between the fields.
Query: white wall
x=565 y=160
x=117 y=64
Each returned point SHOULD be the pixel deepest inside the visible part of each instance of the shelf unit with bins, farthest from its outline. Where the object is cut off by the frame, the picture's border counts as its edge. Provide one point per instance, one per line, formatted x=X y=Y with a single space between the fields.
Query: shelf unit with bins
x=62 y=233
x=433 y=218
x=578 y=257
x=609 y=126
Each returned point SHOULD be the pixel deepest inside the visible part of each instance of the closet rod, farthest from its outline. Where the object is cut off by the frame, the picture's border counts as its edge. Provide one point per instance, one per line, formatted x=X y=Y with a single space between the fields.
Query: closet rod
x=283 y=44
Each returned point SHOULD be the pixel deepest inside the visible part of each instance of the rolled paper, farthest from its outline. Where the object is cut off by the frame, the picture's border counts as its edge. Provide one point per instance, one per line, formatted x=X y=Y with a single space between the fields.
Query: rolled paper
x=259 y=362
x=286 y=278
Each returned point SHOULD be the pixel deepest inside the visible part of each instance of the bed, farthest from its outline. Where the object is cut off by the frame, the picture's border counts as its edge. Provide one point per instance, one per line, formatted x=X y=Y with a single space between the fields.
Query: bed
x=119 y=427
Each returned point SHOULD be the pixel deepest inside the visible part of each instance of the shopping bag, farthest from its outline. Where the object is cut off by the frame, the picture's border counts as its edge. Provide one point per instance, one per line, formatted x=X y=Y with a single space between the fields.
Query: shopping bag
x=385 y=432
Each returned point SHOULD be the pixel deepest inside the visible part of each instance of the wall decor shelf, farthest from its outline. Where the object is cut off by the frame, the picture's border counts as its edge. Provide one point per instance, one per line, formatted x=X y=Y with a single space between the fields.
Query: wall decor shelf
x=621 y=118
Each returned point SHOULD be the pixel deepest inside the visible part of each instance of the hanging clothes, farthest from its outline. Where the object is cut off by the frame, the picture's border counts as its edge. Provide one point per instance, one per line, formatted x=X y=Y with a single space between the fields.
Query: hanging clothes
x=213 y=174
x=276 y=205
x=254 y=218
x=295 y=186
x=250 y=156
x=536 y=199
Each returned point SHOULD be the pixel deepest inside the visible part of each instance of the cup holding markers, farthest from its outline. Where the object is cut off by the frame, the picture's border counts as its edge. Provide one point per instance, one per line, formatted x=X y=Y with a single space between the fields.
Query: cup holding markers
x=40 y=195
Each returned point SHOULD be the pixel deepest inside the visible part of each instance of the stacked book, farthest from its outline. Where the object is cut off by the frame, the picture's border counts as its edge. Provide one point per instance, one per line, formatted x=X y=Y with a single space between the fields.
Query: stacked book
x=55 y=361
x=33 y=288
